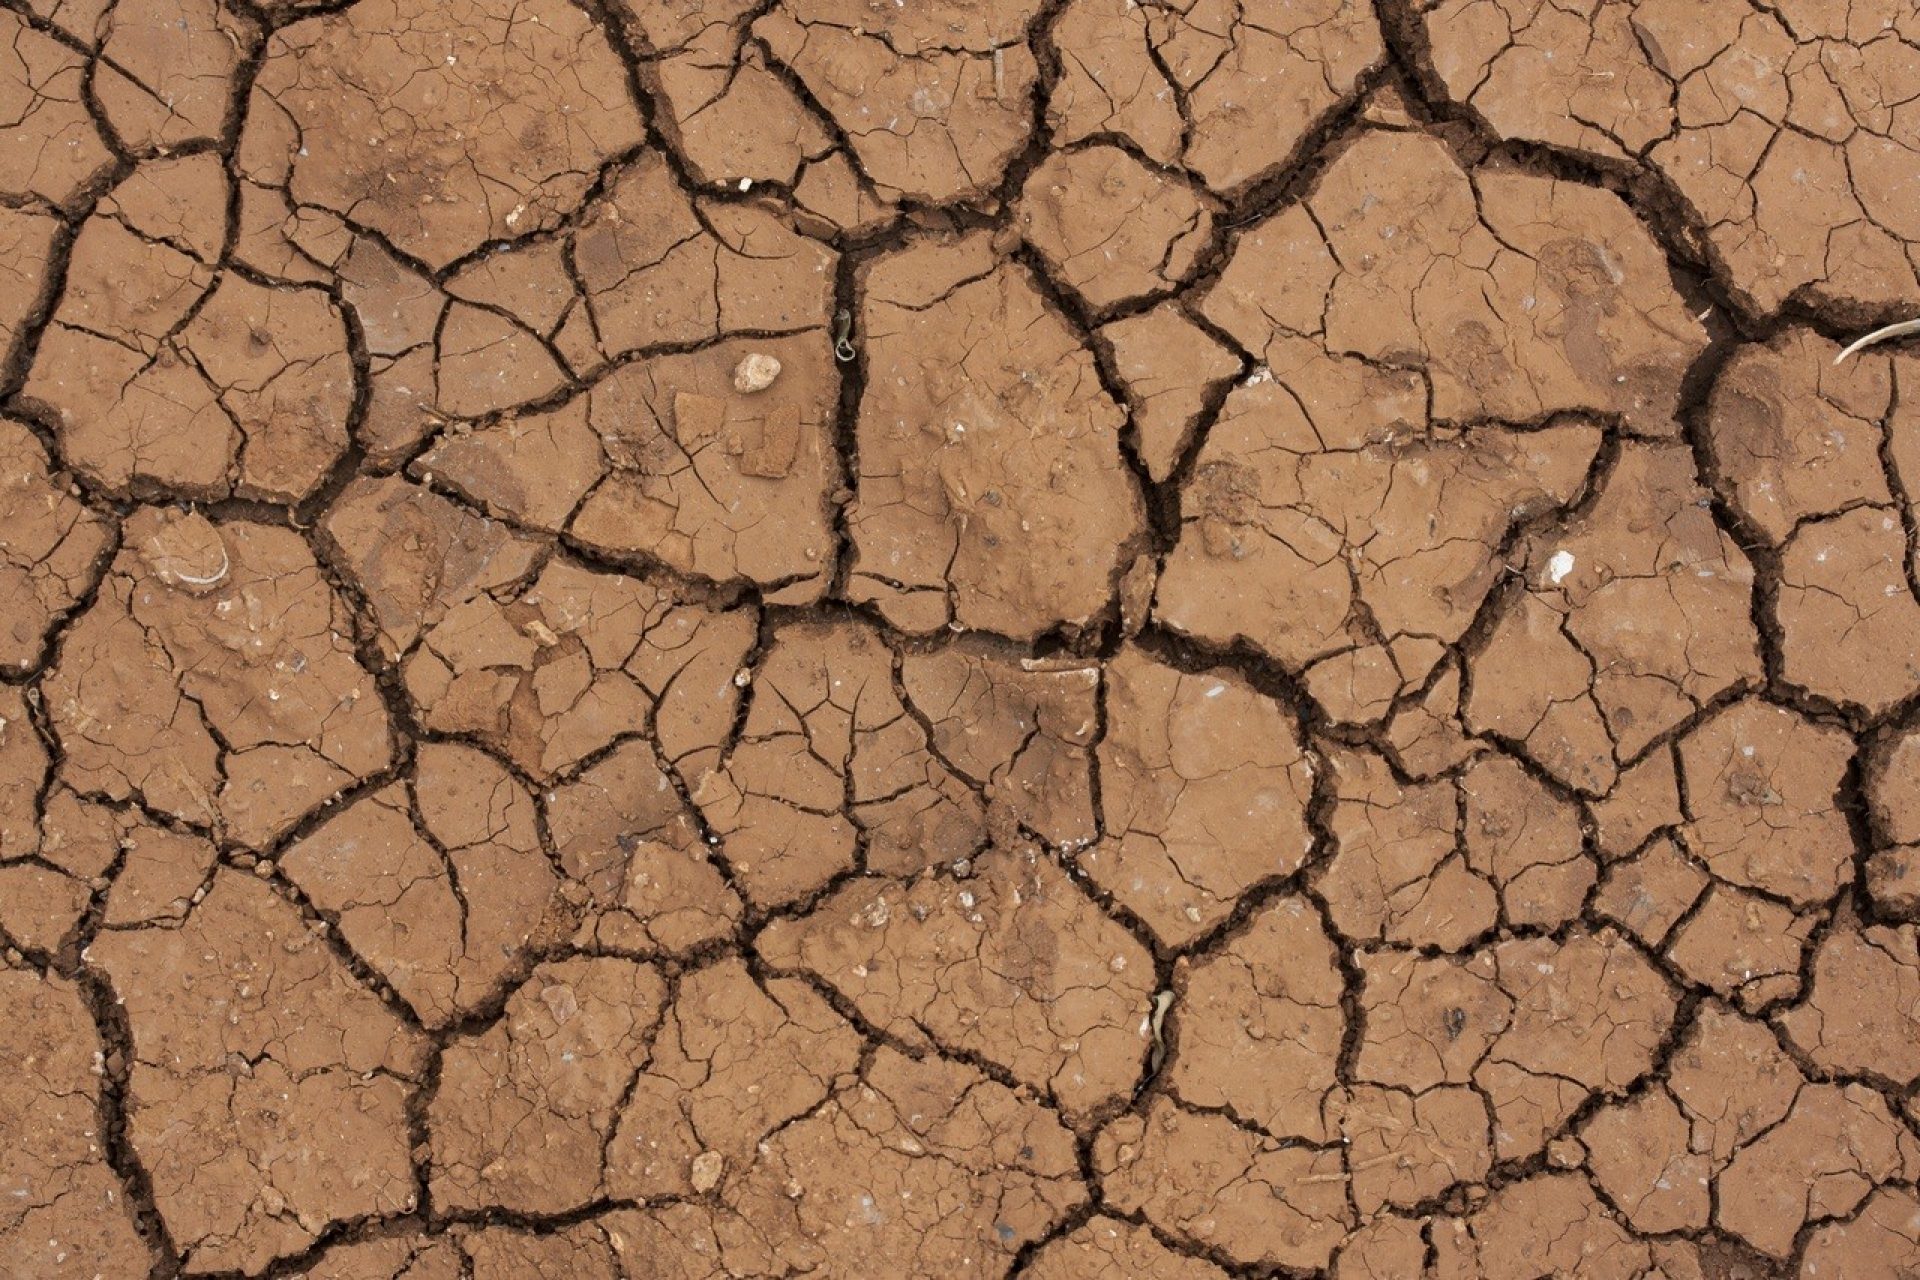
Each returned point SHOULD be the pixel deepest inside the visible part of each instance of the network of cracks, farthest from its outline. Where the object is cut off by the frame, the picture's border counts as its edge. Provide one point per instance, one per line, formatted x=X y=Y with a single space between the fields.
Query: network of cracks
x=1090 y=639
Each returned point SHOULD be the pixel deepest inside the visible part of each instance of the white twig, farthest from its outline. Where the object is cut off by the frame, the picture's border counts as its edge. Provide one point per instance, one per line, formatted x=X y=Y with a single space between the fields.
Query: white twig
x=1899 y=330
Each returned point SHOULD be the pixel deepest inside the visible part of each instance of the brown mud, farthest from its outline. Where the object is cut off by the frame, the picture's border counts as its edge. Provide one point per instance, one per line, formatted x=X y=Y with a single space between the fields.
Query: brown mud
x=1067 y=638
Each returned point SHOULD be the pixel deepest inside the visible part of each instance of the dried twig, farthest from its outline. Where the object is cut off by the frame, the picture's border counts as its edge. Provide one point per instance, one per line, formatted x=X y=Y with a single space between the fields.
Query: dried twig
x=1900 y=330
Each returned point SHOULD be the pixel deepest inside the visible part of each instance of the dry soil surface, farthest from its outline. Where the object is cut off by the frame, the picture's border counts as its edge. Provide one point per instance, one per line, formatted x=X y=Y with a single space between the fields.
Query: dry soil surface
x=1093 y=639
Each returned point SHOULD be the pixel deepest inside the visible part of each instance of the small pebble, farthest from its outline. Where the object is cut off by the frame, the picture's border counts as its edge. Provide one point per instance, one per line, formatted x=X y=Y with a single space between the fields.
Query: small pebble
x=706 y=1171
x=755 y=373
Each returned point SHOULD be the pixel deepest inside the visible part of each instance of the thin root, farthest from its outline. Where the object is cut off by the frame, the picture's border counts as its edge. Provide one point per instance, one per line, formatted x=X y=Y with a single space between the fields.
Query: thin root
x=1899 y=330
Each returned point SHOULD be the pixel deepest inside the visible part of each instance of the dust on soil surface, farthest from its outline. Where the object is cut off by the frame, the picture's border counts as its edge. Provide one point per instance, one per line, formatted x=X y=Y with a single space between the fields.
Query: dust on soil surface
x=1079 y=638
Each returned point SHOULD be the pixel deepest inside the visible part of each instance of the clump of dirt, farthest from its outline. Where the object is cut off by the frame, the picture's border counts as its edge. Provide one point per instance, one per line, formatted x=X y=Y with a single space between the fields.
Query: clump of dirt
x=1083 y=639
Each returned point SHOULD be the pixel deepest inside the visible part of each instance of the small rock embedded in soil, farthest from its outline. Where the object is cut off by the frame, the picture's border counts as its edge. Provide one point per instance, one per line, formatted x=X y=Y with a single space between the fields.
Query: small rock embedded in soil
x=706 y=1171
x=755 y=372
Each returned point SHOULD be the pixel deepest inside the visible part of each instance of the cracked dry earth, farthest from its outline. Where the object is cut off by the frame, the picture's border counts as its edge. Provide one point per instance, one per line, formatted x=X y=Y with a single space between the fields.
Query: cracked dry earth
x=1077 y=638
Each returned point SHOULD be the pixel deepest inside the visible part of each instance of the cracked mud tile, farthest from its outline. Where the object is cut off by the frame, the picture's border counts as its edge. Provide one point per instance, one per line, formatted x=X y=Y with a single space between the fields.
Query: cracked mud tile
x=1781 y=1151
x=659 y=267
x=1789 y=133
x=1861 y=1014
x=1011 y=963
x=415 y=555
x=524 y=1109
x=1508 y=61
x=1881 y=1242
x=1648 y=893
x=734 y=1063
x=1229 y=88
x=485 y=362
x=1528 y=842
x=832 y=196
x=439 y=127
x=506 y=329
x=27 y=238
x=63 y=1213
x=50 y=546
x=935 y=100
x=1893 y=798
x=1109 y=81
x=399 y=314
x=551 y=673
x=158 y=876
x=1383 y=1249
x=1641 y=1155
x=1328 y=523
x=1110 y=228
x=1169 y=367
x=1545 y=1224
x=394 y=1258
x=1644 y=799
x=251 y=1042
x=588 y=1250
x=1426 y=1021
x=723 y=108
x=1589 y=1016
x=1798 y=446
x=166 y=70
x=47 y=885
x=161 y=369
x=1762 y=794
x=672 y=1242
x=1820 y=1162
x=641 y=267
x=213 y=678
x=48 y=871
x=1396 y=874
x=596 y=1248
x=51 y=148
x=666 y=459
x=1743 y=946
x=1020 y=731
x=1401 y=872
x=1538 y=1026
x=1849 y=619
x=1201 y=1178
x=440 y=885
x=1424 y=734
x=640 y=874
x=1204 y=792
x=1261 y=1026
x=1733 y=1080
x=1795 y=437
x=1405 y=1148
x=983 y=428
x=1636 y=615
x=1513 y=296
x=923 y=1167
x=1105 y=1248
x=831 y=773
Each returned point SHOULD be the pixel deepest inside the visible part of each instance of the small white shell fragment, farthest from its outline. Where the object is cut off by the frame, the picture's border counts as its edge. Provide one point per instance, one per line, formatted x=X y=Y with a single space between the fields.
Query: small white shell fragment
x=188 y=554
x=1559 y=566
x=755 y=373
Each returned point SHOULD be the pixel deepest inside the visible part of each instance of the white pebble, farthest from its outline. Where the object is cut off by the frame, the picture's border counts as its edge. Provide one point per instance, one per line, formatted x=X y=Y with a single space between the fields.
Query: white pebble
x=755 y=373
